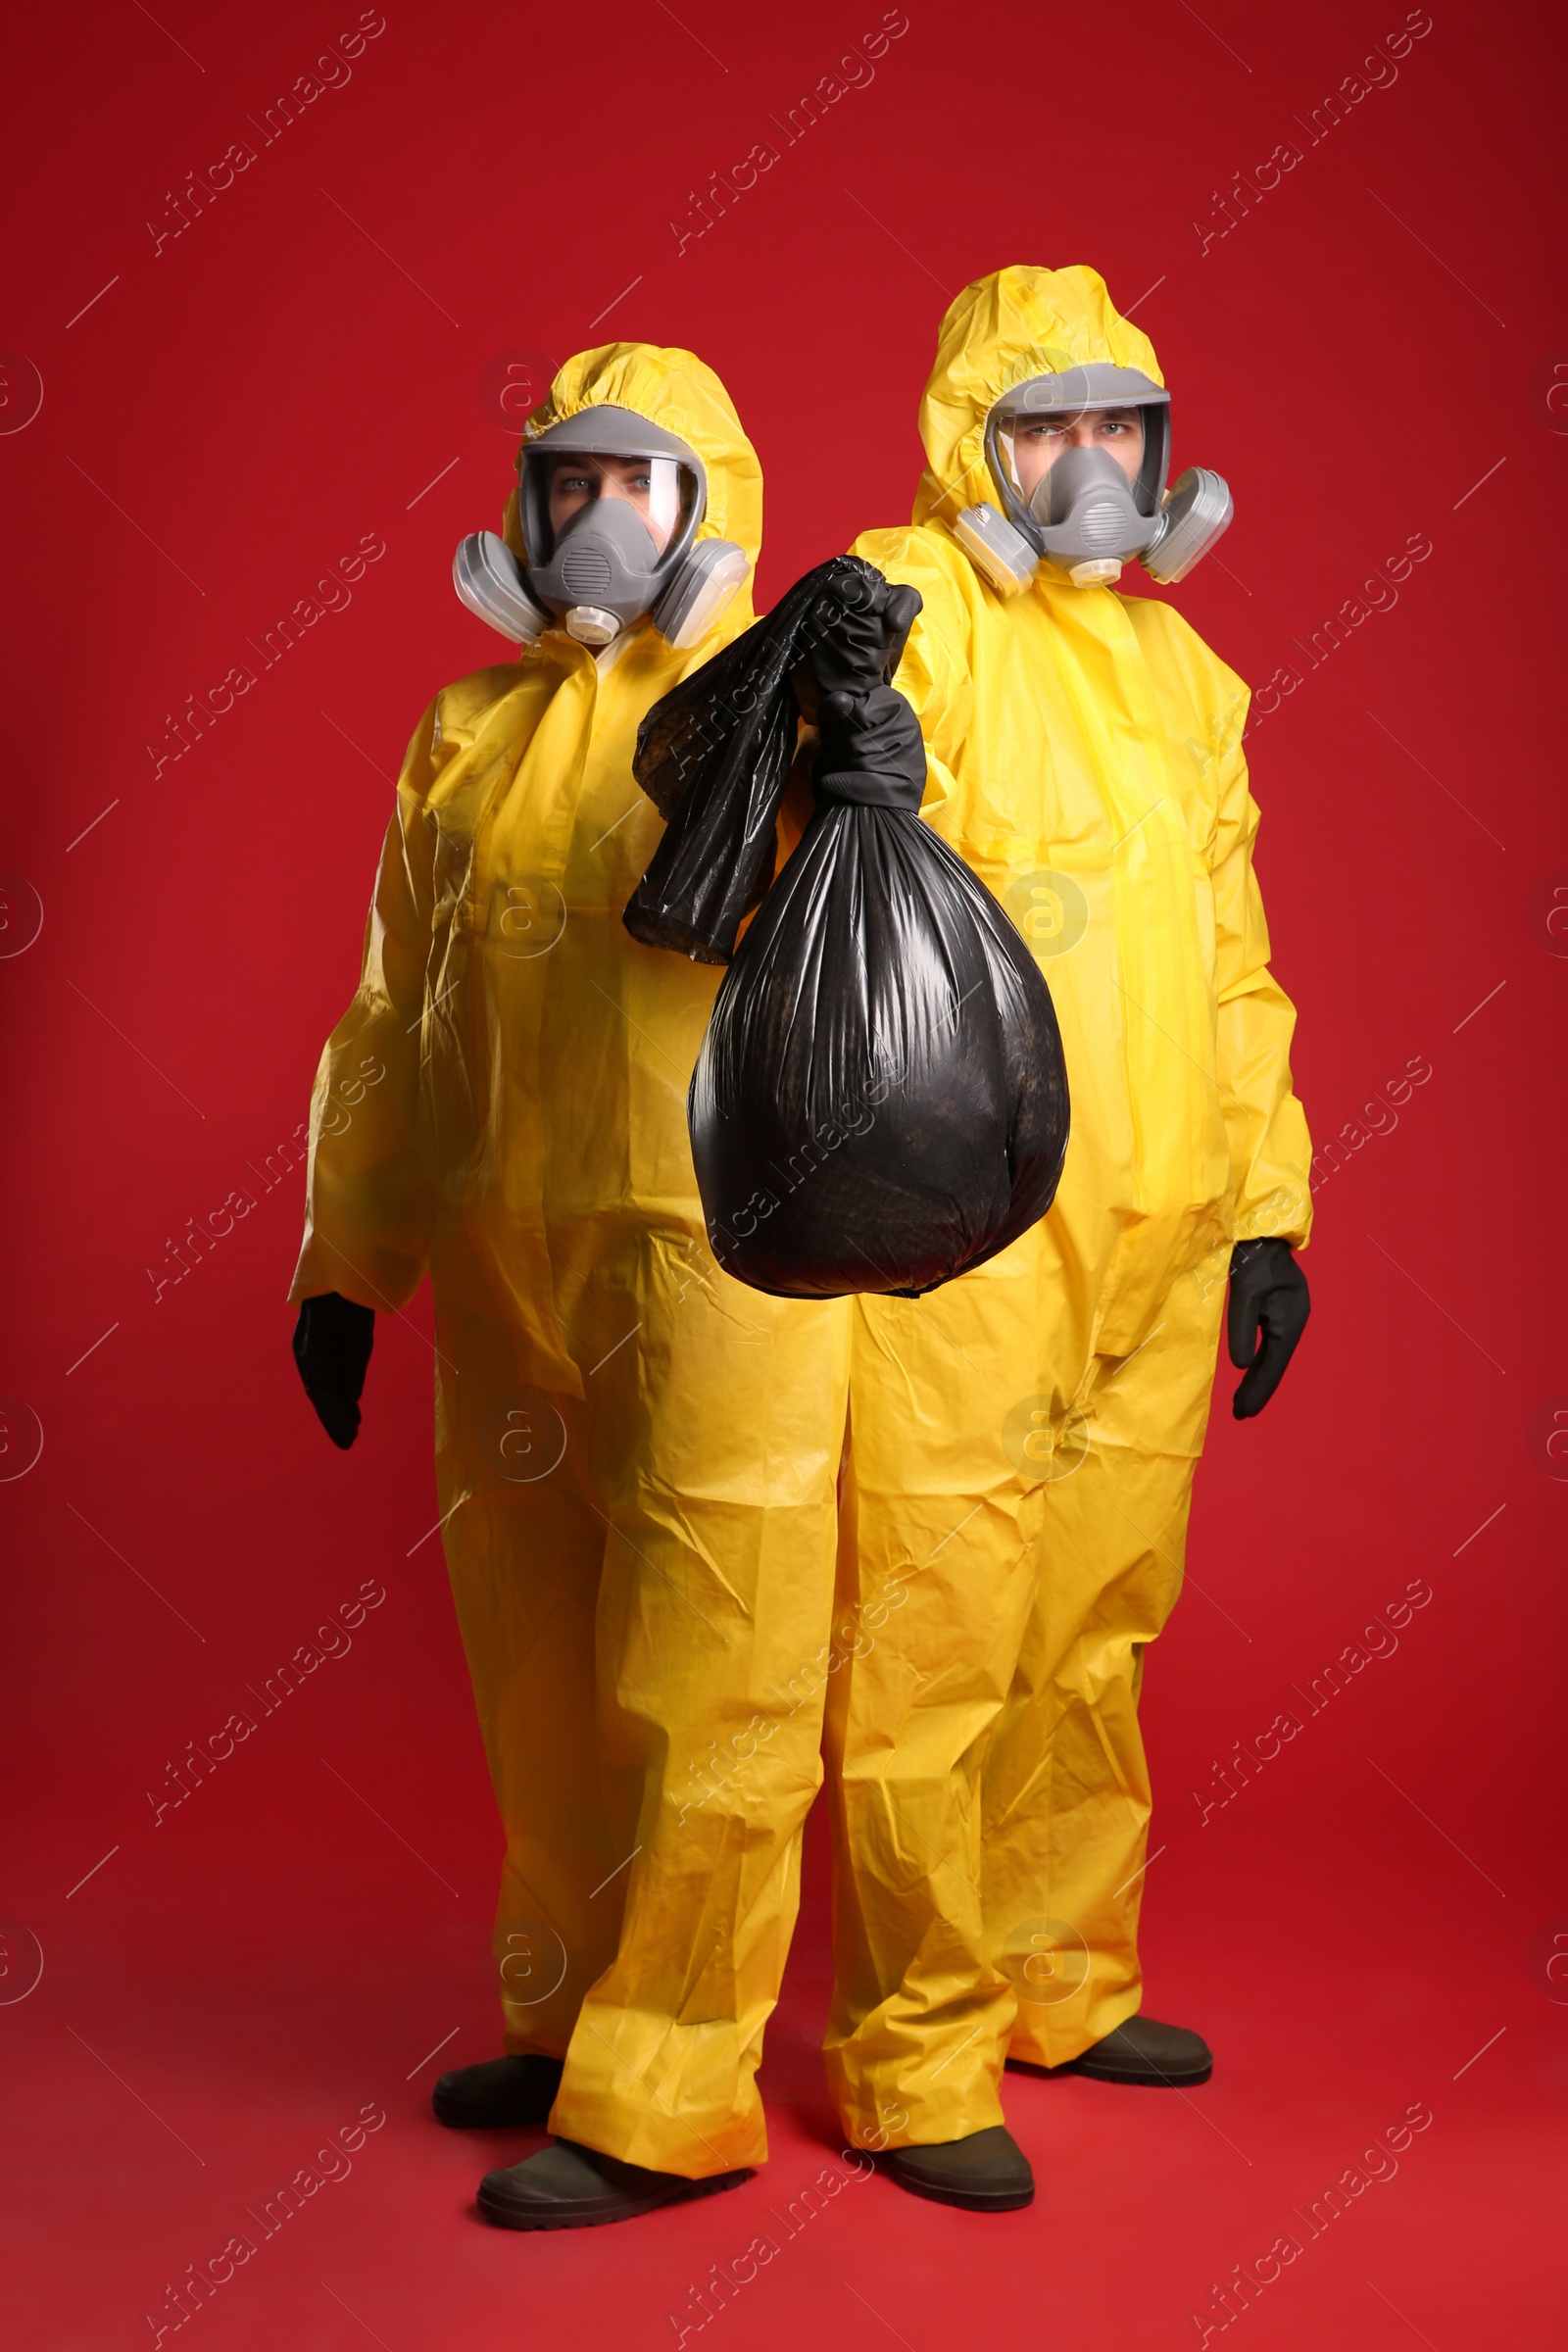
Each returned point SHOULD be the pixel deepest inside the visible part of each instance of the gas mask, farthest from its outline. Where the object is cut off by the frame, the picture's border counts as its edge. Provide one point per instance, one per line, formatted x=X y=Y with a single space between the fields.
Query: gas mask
x=629 y=550
x=1085 y=516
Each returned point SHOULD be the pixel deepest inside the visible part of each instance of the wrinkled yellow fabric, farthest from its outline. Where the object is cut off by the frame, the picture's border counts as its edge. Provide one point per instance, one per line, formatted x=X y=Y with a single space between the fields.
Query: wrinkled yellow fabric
x=1023 y=1441
x=636 y=1457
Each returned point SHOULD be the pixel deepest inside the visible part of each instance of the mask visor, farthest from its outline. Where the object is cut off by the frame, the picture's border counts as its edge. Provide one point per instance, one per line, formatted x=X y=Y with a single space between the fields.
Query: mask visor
x=664 y=494
x=1037 y=419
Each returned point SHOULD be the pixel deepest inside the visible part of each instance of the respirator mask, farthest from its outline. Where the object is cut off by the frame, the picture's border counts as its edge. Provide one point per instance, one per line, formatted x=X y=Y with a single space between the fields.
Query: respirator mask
x=1086 y=516
x=628 y=549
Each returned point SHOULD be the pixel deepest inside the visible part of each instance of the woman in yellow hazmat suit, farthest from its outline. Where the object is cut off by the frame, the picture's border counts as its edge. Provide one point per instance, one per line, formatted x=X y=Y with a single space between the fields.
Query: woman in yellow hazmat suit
x=636 y=1457
x=1023 y=1442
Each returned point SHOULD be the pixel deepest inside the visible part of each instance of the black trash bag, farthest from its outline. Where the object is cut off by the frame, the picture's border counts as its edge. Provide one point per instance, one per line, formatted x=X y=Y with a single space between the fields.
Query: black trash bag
x=714 y=757
x=880 y=1102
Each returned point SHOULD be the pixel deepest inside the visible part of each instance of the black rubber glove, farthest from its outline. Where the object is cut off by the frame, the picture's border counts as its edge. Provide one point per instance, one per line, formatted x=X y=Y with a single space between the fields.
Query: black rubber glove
x=871 y=748
x=864 y=643
x=332 y=1341
x=1268 y=1297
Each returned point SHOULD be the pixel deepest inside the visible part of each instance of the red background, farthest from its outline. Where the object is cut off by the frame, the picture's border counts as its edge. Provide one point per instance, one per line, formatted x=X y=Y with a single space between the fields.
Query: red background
x=233 y=1983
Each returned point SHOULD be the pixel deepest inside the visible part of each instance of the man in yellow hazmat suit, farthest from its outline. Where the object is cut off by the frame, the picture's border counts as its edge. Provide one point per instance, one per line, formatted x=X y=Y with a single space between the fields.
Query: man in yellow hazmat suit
x=636 y=1456
x=1023 y=1441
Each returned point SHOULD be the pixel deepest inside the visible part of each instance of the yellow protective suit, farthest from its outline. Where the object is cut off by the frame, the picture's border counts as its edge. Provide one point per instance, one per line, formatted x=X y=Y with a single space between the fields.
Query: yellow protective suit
x=1023 y=1442
x=636 y=1457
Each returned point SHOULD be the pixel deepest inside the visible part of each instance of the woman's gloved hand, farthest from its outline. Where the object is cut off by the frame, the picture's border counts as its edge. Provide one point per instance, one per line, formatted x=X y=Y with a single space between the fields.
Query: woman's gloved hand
x=1268 y=1297
x=332 y=1341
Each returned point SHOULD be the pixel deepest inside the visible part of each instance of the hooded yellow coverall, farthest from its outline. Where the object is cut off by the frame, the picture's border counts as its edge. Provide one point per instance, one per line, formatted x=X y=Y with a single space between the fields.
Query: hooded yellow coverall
x=636 y=1456
x=1023 y=1442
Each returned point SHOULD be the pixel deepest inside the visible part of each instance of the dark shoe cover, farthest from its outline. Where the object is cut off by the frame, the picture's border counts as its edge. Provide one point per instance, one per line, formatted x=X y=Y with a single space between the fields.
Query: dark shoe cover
x=987 y=2172
x=1140 y=2051
x=569 y=2188
x=497 y=2092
